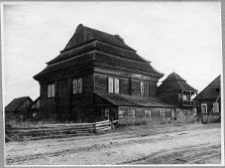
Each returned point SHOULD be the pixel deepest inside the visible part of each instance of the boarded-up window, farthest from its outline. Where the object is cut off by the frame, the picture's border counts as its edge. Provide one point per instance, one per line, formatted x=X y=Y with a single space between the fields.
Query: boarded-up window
x=215 y=107
x=110 y=85
x=51 y=90
x=116 y=85
x=204 y=108
x=79 y=84
x=142 y=88
x=75 y=86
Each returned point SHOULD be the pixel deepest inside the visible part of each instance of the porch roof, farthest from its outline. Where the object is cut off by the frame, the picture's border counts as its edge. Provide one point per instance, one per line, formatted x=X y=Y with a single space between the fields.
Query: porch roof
x=128 y=100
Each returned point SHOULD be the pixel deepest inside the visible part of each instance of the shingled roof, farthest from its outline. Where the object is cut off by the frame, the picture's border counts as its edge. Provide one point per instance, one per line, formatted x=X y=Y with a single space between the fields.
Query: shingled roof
x=16 y=103
x=211 y=91
x=137 y=101
x=90 y=34
x=100 y=47
x=174 y=77
x=177 y=82
x=89 y=45
x=102 y=60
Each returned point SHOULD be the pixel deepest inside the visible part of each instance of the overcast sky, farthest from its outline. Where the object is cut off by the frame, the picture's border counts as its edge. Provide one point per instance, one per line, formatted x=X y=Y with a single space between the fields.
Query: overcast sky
x=184 y=37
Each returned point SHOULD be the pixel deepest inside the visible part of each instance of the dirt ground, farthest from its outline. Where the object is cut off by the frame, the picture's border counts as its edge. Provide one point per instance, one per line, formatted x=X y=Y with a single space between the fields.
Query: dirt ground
x=173 y=143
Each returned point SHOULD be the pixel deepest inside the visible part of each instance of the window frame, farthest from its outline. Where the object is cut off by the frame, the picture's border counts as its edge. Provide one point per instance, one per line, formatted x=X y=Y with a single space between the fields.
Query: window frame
x=116 y=85
x=142 y=88
x=202 y=105
x=217 y=107
x=146 y=89
x=110 y=85
x=77 y=86
x=51 y=90
x=185 y=97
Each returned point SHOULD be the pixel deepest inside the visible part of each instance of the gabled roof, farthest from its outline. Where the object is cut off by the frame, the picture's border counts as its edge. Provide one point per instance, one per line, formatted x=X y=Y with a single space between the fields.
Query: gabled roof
x=89 y=34
x=176 y=82
x=128 y=100
x=211 y=91
x=16 y=103
x=35 y=104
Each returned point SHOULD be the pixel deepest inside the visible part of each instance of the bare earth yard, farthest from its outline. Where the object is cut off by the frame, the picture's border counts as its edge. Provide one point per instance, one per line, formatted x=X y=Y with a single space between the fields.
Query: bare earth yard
x=173 y=143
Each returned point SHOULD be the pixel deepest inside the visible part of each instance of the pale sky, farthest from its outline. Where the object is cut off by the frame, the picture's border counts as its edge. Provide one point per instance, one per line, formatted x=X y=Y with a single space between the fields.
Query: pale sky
x=184 y=37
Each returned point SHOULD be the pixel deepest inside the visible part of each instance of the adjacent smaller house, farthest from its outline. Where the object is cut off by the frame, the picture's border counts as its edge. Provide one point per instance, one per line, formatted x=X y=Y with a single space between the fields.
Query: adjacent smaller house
x=176 y=91
x=18 y=106
x=210 y=101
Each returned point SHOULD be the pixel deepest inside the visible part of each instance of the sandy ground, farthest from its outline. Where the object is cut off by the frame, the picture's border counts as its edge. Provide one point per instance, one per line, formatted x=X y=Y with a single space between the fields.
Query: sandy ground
x=152 y=144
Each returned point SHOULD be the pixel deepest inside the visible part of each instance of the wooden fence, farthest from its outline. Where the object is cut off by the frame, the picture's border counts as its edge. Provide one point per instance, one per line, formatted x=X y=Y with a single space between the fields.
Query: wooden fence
x=36 y=132
x=213 y=118
x=103 y=126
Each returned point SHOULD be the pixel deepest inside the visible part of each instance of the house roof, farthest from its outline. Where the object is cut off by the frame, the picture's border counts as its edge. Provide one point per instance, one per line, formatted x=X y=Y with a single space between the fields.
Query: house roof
x=17 y=102
x=35 y=104
x=128 y=100
x=91 y=34
x=211 y=91
x=118 y=63
x=175 y=82
x=174 y=77
x=99 y=46
x=103 y=60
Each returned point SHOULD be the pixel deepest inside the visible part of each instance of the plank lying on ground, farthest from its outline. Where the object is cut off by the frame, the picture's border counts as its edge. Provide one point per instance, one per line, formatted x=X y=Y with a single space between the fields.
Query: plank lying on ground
x=104 y=129
x=100 y=127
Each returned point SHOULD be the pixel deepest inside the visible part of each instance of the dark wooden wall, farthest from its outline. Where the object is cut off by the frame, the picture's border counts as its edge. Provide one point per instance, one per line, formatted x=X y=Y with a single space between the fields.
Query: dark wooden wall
x=66 y=105
x=128 y=85
x=209 y=103
x=168 y=93
x=47 y=105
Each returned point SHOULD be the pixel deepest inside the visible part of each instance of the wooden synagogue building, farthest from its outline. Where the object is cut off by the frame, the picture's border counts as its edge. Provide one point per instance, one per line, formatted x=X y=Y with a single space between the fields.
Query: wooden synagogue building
x=97 y=75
